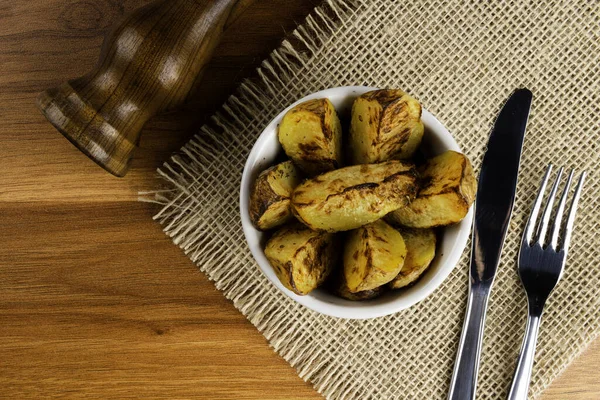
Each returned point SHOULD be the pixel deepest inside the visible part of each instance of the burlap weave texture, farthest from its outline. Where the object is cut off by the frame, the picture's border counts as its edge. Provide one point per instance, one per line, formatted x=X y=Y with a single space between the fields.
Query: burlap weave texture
x=461 y=59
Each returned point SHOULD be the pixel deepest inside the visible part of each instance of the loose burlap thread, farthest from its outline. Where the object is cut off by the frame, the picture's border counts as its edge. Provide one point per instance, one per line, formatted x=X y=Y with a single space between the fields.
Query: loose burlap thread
x=461 y=59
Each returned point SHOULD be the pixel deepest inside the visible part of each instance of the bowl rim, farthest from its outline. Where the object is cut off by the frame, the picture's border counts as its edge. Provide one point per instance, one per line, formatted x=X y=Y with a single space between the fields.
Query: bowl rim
x=358 y=310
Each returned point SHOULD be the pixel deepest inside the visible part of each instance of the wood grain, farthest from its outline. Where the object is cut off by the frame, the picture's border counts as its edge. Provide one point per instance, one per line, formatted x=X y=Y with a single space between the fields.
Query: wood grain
x=94 y=299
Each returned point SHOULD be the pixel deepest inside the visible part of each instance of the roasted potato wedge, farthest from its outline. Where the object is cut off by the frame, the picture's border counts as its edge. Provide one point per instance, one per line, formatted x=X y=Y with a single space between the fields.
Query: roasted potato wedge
x=373 y=256
x=448 y=188
x=350 y=197
x=270 y=204
x=302 y=258
x=311 y=135
x=386 y=124
x=340 y=288
x=420 y=251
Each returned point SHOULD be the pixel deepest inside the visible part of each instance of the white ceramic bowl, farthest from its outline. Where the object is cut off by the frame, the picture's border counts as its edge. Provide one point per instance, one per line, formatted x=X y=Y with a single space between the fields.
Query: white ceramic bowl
x=453 y=239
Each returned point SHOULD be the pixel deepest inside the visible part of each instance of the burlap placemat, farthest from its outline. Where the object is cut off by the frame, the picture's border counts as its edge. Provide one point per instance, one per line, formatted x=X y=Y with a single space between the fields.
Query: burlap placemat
x=461 y=59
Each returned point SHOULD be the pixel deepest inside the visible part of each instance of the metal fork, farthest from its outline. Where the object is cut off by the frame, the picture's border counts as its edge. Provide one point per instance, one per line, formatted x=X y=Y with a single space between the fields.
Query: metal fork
x=541 y=263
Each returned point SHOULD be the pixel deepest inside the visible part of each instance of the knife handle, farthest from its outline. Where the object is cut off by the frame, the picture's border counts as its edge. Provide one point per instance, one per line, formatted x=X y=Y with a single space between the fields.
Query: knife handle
x=464 y=377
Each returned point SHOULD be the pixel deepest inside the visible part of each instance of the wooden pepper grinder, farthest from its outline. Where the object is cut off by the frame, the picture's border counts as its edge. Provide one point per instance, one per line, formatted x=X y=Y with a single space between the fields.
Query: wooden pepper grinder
x=148 y=64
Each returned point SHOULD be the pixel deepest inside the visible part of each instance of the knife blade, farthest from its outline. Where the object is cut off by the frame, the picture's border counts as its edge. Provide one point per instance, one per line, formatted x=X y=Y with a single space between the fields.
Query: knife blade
x=493 y=208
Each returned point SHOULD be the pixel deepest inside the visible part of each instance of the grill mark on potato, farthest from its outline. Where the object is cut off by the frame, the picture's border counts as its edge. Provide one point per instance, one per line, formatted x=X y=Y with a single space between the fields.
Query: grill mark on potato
x=290 y=274
x=379 y=238
x=377 y=124
x=362 y=186
x=320 y=257
x=310 y=203
x=316 y=106
x=393 y=144
x=411 y=172
x=383 y=96
x=393 y=111
x=369 y=258
x=321 y=109
x=446 y=191
x=298 y=250
x=325 y=127
x=282 y=213
x=334 y=183
x=309 y=147
x=400 y=138
x=463 y=167
x=323 y=258
x=308 y=262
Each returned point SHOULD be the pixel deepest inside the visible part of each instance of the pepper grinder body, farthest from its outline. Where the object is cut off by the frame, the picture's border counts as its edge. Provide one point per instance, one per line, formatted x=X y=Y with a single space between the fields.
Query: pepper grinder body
x=148 y=64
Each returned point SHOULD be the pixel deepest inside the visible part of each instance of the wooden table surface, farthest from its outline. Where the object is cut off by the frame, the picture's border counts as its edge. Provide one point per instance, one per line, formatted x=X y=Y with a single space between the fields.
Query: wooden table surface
x=95 y=301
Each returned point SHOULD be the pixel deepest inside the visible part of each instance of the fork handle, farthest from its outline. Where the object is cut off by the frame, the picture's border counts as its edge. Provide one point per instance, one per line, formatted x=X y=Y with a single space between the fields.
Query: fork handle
x=520 y=383
x=464 y=377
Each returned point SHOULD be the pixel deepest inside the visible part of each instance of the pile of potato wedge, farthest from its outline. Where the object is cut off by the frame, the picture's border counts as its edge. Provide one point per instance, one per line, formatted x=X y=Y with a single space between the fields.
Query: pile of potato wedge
x=356 y=213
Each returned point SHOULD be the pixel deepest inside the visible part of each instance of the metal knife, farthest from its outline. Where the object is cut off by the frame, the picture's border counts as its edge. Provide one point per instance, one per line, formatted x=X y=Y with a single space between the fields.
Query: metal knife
x=493 y=208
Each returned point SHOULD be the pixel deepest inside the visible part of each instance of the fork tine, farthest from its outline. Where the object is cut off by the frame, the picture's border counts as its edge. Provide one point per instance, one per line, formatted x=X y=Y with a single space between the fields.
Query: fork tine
x=572 y=211
x=559 y=212
x=531 y=223
x=543 y=229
